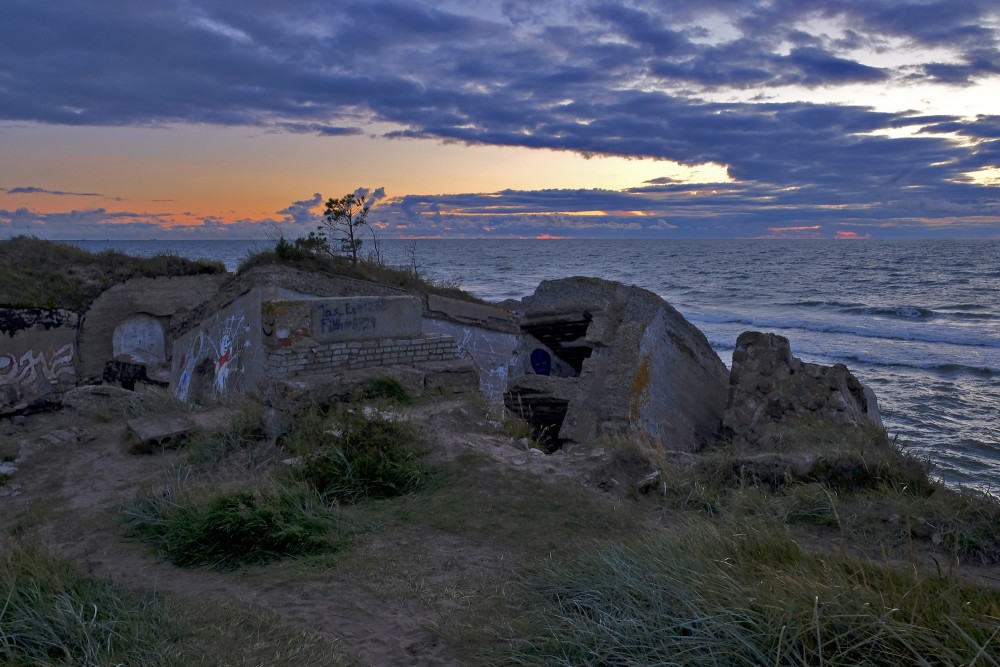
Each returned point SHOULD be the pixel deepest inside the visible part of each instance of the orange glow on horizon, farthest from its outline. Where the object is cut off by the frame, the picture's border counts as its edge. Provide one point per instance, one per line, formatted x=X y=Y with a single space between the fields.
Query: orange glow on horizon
x=549 y=237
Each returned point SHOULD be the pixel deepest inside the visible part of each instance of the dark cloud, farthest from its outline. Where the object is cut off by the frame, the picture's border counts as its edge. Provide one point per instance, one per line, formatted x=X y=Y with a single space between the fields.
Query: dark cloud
x=302 y=213
x=633 y=78
x=31 y=190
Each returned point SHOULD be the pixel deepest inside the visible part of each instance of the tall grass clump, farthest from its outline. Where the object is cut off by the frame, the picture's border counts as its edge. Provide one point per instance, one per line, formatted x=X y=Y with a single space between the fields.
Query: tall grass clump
x=710 y=595
x=51 y=614
x=352 y=455
x=235 y=528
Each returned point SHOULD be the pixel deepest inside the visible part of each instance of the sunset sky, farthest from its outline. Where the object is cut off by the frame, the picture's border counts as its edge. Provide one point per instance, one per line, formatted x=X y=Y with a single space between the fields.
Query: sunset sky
x=167 y=119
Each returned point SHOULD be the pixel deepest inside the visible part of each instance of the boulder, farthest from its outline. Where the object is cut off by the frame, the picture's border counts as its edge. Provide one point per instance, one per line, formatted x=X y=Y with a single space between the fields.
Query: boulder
x=768 y=387
x=597 y=357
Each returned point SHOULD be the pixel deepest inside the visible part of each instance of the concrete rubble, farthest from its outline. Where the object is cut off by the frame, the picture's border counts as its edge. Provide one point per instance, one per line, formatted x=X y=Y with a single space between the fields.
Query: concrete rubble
x=769 y=388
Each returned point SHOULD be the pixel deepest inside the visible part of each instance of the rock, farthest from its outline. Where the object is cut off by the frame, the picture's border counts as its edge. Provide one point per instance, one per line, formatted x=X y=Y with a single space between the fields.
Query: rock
x=768 y=386
x=598 y=357
x=103 y=400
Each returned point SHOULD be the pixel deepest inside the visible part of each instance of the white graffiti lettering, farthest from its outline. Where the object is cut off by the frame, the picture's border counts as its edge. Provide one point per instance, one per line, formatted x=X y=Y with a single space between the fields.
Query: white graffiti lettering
x=31 y=366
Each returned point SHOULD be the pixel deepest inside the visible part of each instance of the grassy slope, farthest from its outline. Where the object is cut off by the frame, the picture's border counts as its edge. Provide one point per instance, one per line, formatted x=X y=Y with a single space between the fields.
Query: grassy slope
x=506 y=565
x=35 y=273
x=404 y=278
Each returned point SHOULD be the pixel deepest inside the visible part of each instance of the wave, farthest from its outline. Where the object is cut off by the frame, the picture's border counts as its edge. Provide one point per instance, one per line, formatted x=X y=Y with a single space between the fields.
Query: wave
x=949 y=312
x=936 y=367
x=903 y=312
x=819 y=304
x=964 y=337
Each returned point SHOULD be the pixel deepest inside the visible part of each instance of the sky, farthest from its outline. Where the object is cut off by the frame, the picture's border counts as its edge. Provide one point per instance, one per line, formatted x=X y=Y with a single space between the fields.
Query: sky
x=216 y=119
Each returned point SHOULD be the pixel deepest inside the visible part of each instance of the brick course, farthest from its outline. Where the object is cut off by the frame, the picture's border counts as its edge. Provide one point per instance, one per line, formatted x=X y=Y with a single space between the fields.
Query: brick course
x=322 y=358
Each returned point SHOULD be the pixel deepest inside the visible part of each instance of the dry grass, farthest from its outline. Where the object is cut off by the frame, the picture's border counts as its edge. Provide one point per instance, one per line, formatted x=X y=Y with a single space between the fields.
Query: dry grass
x=366 y=269
x=28 y=281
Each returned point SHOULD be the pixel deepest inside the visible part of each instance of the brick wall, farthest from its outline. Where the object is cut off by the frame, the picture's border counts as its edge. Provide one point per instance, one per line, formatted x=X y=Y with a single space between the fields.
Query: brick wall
x=322 y=358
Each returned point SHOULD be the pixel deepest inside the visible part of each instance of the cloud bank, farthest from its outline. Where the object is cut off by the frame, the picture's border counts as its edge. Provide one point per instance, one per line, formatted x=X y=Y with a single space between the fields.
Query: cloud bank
x=690 y=81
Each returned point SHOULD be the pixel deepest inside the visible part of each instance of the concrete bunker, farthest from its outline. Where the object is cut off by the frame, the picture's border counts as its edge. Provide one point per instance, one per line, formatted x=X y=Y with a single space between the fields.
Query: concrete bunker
x=600 y=358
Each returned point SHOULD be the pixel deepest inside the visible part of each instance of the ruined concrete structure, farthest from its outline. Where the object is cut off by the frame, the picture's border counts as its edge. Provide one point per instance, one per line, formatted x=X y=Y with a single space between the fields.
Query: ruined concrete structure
x=601 y=358
x=131 y=321
x=217 y=335
x=769 y=388
x=587 y=358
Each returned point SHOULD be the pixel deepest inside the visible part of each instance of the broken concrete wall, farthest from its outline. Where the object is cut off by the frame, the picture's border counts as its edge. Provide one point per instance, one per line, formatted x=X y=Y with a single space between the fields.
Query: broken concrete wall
x=484 y=334
x=770 y=389
x=38 y=355
x=623 y=362
x=131 y=321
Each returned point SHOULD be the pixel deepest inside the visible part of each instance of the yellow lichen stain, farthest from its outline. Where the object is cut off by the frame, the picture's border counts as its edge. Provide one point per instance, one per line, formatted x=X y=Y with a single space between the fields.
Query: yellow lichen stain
x=639 y=393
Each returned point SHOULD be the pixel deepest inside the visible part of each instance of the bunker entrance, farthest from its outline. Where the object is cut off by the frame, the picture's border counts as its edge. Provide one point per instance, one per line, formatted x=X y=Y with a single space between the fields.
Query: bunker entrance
x=543 y=412
x=566 y=337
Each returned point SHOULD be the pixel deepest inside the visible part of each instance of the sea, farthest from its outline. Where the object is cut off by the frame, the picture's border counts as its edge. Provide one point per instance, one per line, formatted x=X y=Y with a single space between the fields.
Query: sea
x=918 y=321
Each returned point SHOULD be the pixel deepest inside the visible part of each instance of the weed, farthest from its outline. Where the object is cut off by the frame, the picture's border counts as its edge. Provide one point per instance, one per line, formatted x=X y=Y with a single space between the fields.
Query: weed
x=236 y=528
x=370 y=269
x=53 y=615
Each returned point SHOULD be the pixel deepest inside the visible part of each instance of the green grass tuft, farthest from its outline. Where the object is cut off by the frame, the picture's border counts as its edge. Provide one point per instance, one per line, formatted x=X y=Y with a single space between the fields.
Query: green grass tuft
x=242 y=527
x=387 y=389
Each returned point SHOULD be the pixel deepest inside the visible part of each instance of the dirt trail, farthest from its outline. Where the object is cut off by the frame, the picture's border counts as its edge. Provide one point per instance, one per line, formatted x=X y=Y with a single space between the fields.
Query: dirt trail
x=66 y=490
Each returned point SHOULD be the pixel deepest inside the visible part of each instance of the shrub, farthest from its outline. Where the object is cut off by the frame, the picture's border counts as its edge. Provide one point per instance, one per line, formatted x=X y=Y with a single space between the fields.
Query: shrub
x=238 y=528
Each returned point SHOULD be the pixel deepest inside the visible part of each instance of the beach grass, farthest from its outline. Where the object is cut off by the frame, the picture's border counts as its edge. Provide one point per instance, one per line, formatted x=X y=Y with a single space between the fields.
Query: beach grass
x=742 y=593
x=54 y=615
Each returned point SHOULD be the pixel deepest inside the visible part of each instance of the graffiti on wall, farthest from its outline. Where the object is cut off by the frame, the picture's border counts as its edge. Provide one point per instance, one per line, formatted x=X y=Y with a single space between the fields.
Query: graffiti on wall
x=224 y=346
x=492 y=354
x=31 y=366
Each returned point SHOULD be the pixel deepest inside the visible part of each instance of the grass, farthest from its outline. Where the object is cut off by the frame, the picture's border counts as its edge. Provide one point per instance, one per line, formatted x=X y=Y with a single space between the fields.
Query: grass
x=860 y=483
x=53 y=615
x=28 y=281
x=228 y=530
x=352 y=455
x=711 y=594
x=242 y=434
x=387 y=389
x=405 y=278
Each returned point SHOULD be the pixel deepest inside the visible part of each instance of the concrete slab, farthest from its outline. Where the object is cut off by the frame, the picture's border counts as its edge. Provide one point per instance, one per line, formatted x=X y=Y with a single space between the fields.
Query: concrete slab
x=160 y=430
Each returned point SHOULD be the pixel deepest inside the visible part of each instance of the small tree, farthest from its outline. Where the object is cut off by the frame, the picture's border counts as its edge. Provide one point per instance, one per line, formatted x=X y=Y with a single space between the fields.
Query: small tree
x=345 y=218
